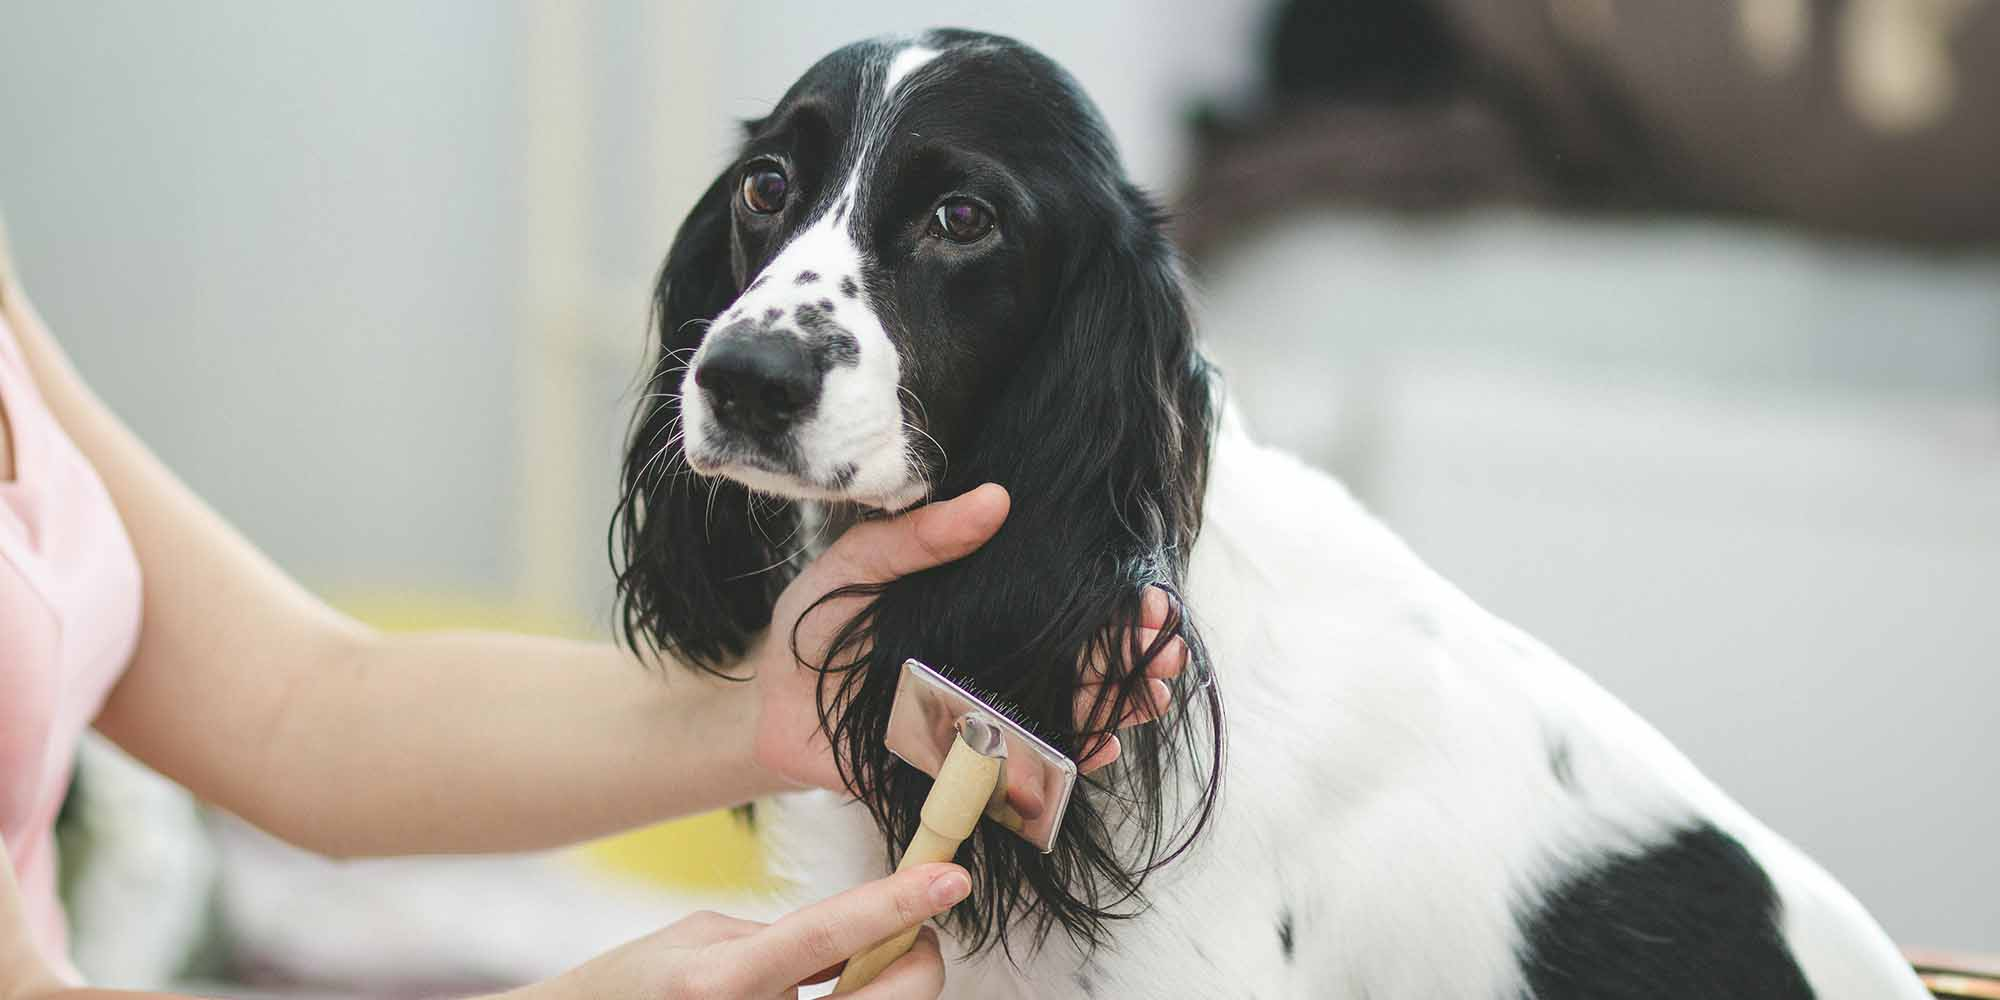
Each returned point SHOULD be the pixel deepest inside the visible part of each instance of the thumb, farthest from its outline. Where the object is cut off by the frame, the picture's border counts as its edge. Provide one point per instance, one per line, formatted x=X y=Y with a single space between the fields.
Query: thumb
x=833 y=930
x=931 y=535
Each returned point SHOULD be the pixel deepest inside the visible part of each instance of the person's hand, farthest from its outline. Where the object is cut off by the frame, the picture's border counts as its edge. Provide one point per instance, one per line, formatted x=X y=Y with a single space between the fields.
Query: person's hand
x=709 y=956
x=789 y=741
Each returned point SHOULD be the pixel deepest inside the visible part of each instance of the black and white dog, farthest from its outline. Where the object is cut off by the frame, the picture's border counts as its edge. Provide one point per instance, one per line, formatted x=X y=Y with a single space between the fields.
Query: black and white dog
x=926 y=270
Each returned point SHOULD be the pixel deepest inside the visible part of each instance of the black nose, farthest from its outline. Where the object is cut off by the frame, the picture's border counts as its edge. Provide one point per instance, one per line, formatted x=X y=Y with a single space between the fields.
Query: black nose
x=758 y=382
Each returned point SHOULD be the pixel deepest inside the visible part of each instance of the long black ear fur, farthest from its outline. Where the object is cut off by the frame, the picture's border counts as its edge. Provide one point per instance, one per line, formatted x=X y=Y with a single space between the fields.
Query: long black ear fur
x=1102 y=438
x=698 y=559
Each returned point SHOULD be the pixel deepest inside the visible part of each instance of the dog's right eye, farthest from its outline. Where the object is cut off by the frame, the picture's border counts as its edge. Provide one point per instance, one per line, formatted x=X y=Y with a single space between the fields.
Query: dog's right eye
x=764 y=190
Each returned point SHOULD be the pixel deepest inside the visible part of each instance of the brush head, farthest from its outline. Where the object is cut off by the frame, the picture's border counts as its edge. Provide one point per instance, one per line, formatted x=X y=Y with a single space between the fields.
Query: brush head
x=930 y=712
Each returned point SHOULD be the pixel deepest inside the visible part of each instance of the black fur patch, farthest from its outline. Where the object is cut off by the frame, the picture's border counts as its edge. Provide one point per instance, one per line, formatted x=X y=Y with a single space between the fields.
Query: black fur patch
x=1691 y=917
x=1285 y=941
x=849 y=288
x=840 y=349
x=808 y=277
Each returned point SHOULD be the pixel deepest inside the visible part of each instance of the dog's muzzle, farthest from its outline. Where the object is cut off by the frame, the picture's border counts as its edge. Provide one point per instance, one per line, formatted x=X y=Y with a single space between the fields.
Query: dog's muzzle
x=758 y=383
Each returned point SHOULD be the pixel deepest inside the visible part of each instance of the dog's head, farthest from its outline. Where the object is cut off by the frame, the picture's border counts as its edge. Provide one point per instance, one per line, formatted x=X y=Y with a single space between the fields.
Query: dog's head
x=926 y=270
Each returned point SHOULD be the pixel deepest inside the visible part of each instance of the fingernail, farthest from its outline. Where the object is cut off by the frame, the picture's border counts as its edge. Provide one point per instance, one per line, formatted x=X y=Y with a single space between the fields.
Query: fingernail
x=1163 y=696
x=949 y=888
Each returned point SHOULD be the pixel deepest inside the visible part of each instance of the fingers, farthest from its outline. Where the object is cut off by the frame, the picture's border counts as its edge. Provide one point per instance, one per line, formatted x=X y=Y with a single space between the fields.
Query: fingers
x=936 y=533
x=1101 y=755
x=829 y=932
x=1154 y=608
x=1155 y=612
x=1168 y=662
x=918 y=975
x=1089 y=712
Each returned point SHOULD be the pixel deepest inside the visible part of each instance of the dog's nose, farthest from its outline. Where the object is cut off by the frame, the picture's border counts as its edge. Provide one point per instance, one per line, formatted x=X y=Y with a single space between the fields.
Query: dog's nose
x=758 y=382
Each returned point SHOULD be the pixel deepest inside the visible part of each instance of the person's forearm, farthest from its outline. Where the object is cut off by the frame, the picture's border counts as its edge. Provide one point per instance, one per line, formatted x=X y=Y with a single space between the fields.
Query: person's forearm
x=254 y=694
x=475 y=742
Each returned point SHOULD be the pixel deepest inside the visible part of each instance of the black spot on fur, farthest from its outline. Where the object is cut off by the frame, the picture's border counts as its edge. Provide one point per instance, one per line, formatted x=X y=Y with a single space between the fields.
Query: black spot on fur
x=1560 y=763
x=842 y=477
x=841 y=349
x=849 y=288
x=826 y=304
x=808 y=277
x=773 y=314
x=1693 y=916
x=1285 y=941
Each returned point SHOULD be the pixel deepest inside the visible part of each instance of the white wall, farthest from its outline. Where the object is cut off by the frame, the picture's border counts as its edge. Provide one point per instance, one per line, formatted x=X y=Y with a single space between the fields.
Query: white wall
x=279 y=239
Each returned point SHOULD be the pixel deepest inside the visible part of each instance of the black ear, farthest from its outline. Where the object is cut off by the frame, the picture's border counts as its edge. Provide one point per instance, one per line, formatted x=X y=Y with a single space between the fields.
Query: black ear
x=1102 y=437
x=697 y=561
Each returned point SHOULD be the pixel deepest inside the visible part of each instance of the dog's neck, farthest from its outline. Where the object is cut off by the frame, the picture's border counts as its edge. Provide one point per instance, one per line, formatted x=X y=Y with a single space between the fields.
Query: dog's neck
x=820 y=523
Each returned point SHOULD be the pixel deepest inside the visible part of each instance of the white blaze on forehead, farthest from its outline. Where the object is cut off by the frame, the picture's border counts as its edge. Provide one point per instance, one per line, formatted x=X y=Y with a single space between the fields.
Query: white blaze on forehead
x=906 y=62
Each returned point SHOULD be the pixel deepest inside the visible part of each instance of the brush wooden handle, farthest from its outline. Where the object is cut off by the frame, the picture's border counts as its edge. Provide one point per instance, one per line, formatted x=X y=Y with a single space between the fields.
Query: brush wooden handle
x=965 y=783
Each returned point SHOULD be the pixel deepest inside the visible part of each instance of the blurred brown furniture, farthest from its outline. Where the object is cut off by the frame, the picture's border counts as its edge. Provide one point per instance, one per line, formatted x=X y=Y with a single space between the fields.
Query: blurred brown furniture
x=1870 y=118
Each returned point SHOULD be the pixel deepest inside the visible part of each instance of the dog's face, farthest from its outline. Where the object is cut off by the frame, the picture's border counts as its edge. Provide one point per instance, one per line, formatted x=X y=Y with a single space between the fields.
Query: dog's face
x=884 y=225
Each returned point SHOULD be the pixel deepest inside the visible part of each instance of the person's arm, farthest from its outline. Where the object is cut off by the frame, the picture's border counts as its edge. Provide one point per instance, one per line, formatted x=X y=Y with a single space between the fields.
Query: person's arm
x=263 y=700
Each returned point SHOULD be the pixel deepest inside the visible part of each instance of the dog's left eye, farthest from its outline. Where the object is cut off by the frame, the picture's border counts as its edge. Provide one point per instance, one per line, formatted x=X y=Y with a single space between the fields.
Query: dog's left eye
x=764 y=190
x=962 y=220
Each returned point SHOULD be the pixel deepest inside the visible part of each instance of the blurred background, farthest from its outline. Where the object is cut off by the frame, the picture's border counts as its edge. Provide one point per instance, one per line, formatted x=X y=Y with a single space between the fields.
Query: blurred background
x=1670 y=332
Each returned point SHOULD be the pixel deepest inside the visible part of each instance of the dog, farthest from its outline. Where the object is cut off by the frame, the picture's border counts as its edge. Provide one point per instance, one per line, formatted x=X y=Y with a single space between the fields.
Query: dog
x=926 y=270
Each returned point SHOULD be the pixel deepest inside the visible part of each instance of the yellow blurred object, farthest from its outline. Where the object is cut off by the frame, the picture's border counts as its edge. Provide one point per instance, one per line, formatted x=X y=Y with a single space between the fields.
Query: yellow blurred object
x=713 y=851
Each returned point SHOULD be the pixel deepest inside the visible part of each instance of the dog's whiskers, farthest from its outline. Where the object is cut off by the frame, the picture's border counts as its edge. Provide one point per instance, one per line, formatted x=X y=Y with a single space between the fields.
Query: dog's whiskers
x=944 y=461
x=785 y=560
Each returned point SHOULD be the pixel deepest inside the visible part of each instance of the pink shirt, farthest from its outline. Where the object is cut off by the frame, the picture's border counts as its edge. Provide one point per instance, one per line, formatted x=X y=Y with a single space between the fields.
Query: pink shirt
x=69 y=618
